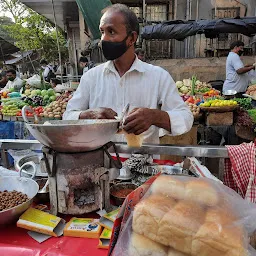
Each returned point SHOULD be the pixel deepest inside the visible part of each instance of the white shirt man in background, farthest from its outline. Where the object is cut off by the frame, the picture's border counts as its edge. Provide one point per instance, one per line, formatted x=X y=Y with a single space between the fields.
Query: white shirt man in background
x=236 y=73
x=14 y=82
x=106 y=89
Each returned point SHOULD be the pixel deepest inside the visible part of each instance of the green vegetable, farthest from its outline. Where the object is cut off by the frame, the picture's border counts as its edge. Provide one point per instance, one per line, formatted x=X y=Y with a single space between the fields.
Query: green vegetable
x=245 y=103
x=252 y=114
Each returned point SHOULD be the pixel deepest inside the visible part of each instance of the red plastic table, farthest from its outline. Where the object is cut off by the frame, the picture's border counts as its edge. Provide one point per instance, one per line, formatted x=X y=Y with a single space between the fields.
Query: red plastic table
x=15 y=241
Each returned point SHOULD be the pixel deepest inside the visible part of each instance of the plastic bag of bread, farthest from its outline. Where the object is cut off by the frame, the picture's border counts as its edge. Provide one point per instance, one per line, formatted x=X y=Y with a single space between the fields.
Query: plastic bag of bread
x=182 y=215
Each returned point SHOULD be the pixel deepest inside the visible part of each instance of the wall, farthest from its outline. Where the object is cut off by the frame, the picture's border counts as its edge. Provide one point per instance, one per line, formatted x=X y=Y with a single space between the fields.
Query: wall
x=206 y=69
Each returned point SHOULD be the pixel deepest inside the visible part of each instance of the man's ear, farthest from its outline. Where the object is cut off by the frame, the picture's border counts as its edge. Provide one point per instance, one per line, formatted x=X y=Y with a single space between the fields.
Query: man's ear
x=134 y=36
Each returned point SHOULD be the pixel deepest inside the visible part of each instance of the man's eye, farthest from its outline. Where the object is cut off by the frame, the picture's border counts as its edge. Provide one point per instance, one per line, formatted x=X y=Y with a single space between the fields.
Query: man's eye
x=102 y=32
x=112 y=32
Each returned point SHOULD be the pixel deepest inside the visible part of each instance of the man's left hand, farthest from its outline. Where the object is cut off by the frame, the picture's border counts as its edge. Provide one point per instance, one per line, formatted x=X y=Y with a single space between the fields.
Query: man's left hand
x=139 y=120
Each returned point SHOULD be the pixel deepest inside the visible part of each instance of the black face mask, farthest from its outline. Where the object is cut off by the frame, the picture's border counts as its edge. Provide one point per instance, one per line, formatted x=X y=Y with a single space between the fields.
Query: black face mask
x=240 y=53
x=114 y=50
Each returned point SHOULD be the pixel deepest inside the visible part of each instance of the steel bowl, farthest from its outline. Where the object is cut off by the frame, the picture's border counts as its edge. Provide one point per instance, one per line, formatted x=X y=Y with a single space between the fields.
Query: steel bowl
x=74 y=135
x=117 y=187
x=20 y=184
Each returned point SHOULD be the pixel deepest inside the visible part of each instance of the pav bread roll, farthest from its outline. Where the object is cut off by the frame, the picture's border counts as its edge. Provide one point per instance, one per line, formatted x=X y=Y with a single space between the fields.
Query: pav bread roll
x=172 y=252
x=214 y=239
x=142 y=246
x=220 y=215
x=200 y=191
x=148 y=213
x=169 y=186
x=180 y=225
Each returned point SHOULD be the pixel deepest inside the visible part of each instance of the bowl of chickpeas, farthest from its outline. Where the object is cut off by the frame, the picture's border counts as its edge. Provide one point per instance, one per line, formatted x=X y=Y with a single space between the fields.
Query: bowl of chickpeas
x=16 y=195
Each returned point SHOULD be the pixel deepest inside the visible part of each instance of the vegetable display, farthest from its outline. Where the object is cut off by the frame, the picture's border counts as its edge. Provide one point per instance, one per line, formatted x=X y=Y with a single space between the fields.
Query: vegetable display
x=245 y=103
x=218 y=103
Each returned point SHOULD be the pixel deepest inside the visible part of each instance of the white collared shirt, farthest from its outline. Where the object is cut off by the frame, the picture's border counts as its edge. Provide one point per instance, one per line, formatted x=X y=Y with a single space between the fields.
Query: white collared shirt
x=143 y=85
x=16 y=84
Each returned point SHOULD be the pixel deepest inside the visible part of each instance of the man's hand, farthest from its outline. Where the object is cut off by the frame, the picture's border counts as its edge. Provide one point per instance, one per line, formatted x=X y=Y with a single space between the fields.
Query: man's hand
x=139 y=120
x=99 y=113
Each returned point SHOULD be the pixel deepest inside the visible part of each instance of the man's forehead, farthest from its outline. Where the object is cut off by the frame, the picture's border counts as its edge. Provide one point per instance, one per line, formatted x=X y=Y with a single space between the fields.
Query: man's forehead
x=112 y=18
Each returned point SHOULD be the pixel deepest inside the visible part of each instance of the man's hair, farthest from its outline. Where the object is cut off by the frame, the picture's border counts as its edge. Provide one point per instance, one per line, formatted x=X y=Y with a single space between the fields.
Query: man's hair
x=83 y=59
x=11 y=71
x=236 y=44
x=131 y=21
x=56 y=81
x=139 y=51
x=43 y=62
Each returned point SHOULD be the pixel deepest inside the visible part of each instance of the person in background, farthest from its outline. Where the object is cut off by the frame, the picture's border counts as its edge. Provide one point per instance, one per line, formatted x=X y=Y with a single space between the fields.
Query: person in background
x=3 y=79
x=236 y=72
x=85 y=64
x=140 y=54
x=14 y=82
x=48 y=71
x=105 y=90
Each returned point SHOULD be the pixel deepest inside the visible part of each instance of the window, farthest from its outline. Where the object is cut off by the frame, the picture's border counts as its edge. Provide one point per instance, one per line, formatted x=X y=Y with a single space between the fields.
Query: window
x=227 y=12
x=157 y=12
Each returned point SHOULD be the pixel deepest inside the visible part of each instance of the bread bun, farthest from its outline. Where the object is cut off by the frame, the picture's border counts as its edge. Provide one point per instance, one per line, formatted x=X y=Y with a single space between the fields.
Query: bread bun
x=148 y=213
x=169 y=186
x=172 y=252
x=180 y=225
x=219 y=215
x=142 y=246
x=214 y=239
x=200 y=191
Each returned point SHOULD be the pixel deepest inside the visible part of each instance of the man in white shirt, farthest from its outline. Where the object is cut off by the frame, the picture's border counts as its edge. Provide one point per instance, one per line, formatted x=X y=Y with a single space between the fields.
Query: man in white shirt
x=236 y=73
x=106 y=89
x=14 y=82
x=48 y=71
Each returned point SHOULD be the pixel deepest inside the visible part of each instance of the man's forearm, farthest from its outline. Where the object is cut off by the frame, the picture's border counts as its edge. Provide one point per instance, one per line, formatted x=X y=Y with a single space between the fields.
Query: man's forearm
x=161 y=119
x=244 y=70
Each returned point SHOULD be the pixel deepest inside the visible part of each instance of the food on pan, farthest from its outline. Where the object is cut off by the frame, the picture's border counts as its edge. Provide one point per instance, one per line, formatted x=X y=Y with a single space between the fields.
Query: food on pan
x=9 y=199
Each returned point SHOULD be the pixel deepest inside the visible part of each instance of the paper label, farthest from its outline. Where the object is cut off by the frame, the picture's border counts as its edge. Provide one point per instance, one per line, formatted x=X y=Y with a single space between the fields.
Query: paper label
x=89 y=225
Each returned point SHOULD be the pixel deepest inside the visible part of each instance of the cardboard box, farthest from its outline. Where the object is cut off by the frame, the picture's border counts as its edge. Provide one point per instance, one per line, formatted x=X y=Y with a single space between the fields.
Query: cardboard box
x=226 y=118
x=107 y=220
x=104 y=240
x=83 y=227
x=41 y=222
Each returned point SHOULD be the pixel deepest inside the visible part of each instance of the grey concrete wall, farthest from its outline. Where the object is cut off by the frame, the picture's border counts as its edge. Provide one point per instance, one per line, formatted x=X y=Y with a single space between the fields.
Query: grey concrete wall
x=206 y=69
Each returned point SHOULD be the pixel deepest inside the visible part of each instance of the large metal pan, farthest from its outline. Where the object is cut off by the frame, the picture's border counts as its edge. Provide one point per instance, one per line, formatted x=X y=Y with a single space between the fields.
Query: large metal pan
x=73 y=135
x=24 y=185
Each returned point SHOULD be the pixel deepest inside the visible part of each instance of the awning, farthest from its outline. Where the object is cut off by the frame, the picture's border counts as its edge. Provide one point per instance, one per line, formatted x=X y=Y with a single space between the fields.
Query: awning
x=91 y=11
x=180 y=30
x=18 y=57
x=6 y=48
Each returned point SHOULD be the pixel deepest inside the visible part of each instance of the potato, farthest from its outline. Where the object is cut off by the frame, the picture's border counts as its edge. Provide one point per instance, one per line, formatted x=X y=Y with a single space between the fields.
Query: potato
x=51 y=115
x=57 y=116
x=58 y=109
x=63 y=110
x=45 y=115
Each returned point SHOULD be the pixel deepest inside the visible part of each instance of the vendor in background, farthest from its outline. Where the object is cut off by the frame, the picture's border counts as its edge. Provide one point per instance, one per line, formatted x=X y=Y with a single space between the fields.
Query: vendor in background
x=236 y=72
x=85 y=64
x=3 y=79
x=106 y=89
x=14 y=82
x=140 y=54
x=48 y=71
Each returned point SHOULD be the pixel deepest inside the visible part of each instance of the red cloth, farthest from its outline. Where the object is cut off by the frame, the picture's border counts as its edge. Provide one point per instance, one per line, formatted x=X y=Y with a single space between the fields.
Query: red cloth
x=240 y=170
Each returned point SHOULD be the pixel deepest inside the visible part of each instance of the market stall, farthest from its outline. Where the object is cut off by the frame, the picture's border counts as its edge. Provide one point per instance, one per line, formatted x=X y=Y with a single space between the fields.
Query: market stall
x=16 y=241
